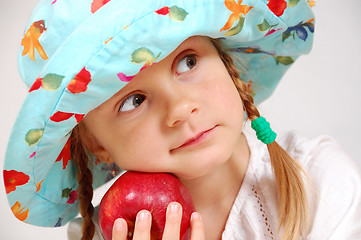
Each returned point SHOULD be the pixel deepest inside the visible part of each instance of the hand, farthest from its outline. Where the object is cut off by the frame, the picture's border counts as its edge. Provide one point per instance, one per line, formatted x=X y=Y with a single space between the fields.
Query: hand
x=171 y=230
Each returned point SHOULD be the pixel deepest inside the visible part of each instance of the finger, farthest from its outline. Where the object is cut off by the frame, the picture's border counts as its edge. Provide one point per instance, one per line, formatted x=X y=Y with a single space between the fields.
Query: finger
x=120 y=229
x=173 y=221
x=143 y=224
x=197 y=227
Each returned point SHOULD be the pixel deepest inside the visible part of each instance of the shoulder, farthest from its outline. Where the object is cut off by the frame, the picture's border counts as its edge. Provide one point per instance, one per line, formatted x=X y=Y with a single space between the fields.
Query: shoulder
x=335 y=189
x=323 y=159
x=326 y=163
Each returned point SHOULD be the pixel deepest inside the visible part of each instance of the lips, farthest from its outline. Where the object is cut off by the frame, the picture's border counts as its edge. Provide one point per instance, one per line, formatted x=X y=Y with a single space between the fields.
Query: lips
x=194 y=140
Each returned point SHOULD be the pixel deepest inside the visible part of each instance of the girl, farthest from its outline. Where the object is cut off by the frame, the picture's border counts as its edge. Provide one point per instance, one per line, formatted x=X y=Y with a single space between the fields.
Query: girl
x=153 y=86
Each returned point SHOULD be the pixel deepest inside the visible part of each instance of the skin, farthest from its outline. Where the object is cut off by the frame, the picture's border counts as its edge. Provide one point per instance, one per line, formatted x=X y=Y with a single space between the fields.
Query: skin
x=181 y=115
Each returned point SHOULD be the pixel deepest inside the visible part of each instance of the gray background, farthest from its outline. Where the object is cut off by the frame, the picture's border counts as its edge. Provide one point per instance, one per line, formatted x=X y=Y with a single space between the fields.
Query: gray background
x=320 y=94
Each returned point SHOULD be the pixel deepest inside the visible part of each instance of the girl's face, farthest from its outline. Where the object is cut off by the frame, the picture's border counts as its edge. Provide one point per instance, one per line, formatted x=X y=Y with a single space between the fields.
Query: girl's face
x=181 y=115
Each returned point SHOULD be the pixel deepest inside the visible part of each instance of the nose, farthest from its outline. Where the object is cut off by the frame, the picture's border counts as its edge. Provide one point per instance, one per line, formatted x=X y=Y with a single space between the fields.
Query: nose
x=180 y=109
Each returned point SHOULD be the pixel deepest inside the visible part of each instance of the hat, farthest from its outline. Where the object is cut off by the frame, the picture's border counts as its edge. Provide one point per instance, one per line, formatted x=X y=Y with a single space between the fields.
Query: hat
x=76 y=54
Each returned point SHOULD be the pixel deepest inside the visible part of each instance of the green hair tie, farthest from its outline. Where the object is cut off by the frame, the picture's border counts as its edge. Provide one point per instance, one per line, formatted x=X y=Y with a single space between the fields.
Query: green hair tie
x=263 y=130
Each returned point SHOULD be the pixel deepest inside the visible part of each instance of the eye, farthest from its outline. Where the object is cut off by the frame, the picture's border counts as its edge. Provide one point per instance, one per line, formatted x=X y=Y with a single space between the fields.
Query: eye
x=186 y=64
x=132 y=102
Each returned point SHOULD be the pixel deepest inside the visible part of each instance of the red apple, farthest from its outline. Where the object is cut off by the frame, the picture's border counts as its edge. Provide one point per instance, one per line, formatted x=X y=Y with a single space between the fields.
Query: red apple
x=135 y=191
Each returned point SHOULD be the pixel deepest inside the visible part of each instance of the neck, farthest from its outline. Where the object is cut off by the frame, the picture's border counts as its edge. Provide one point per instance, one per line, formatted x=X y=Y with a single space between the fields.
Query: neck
x=213 y=194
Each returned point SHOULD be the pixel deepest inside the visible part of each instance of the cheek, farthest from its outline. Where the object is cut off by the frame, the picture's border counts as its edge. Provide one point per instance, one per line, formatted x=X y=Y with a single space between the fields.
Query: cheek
x=224 y=93
x=137 y=146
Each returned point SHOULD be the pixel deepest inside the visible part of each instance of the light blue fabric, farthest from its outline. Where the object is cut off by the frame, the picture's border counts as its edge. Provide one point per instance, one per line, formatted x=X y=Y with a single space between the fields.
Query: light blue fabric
x=94 y=46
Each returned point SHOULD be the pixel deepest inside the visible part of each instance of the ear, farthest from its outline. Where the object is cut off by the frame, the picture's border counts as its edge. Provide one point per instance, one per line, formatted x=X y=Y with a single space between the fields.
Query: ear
x=98 y=150
x=101 y=154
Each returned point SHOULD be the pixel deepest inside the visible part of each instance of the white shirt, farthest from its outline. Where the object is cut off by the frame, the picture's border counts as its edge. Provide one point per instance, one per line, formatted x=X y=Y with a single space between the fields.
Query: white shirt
x=335 y=202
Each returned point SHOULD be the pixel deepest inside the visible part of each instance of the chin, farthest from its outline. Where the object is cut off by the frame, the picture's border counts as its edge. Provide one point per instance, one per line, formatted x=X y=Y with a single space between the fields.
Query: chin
x=204 y=163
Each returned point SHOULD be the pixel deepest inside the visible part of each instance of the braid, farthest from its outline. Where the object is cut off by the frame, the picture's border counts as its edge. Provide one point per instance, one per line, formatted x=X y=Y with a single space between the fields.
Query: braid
x=85 y=179
x=293 y=203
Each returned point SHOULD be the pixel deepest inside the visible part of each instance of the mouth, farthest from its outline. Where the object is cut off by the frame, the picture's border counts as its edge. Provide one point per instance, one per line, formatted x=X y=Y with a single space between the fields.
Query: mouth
x=196 y=139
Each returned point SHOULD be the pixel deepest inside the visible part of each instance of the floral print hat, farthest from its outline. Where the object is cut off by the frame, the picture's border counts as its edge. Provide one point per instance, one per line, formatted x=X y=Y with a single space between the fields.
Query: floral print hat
x=76 y=54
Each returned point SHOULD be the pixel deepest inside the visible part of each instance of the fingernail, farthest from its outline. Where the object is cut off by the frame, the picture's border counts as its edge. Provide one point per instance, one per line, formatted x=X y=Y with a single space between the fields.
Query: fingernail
x=143 y=215
x=119 y=224
x=195 y=216
x=173 y=208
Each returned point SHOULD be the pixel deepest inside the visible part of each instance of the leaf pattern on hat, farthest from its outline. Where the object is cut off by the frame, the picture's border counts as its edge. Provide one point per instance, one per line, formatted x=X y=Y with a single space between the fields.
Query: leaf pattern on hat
x=285 y=60
x=139 y=56
x=175 y=13
x=278 y=6
x=97 y=4
x=62 y=116
x=65 y=154
x=19 y=212
x=239 y=11
x=50 y=82
x=80 y=82
x=13 y=178
x=292 y=3
x=33 y=136
x=265 y=26
x=59 y=222
x=143 y=55
x=69 y=193
x=30 y=42
x=312 y=3
x=125 y=78
x=38 y=185
x=299 y=30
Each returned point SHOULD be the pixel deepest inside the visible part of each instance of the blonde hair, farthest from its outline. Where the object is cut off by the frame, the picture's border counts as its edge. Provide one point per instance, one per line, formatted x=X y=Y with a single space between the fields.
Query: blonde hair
x=292 y=204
